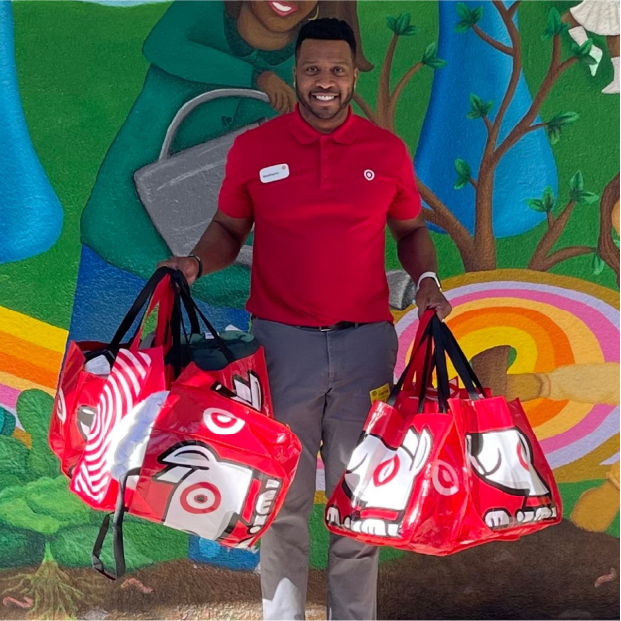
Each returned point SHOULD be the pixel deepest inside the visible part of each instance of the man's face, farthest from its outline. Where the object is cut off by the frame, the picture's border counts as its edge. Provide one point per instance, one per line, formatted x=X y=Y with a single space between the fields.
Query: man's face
x=325 y=77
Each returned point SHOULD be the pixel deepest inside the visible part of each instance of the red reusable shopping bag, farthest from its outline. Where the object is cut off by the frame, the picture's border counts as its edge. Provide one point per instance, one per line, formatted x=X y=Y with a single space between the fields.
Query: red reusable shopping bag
x=134 y=376
x=242 y=367
x=484 y=478
x=384 y=493
x=84 y=373
x=212 y=467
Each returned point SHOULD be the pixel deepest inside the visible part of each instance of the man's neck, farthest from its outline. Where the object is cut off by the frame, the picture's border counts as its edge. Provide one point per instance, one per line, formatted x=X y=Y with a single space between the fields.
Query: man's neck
x=324 y=126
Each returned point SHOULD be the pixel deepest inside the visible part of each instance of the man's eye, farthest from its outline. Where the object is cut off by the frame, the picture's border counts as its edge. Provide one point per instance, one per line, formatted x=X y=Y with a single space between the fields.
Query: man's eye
x=311 y=69
x=338 y=70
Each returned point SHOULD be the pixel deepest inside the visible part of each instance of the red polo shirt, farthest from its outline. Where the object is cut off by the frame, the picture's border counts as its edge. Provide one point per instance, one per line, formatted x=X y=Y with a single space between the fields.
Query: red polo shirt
x=320 y=214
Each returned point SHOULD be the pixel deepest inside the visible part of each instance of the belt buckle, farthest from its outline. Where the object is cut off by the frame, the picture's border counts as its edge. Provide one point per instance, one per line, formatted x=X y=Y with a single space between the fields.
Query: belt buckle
x=326 y=328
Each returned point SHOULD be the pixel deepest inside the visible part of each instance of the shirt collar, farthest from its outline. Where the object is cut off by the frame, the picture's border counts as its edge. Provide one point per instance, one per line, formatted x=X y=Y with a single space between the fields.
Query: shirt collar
x=305 y=134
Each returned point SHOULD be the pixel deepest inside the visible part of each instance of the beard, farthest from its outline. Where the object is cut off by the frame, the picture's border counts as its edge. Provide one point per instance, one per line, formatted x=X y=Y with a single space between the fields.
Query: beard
x=326 y=115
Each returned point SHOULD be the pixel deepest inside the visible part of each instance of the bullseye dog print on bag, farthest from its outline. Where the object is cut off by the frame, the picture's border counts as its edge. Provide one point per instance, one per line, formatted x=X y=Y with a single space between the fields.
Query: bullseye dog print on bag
x=438 y=471
x=503 y=460
x=378 y=499
x=213 y=498
x=213 y=466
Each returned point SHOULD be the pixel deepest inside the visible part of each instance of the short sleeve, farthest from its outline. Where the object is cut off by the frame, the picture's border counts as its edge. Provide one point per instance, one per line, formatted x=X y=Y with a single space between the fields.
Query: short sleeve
x=406 y=204
x=234 y=199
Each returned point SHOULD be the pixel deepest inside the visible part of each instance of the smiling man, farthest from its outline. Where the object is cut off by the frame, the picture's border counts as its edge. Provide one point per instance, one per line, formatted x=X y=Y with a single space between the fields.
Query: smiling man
x=320 y=185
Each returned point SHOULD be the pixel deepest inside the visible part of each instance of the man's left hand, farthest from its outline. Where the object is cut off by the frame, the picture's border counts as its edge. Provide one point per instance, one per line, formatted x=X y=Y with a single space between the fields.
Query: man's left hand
x=429 y=296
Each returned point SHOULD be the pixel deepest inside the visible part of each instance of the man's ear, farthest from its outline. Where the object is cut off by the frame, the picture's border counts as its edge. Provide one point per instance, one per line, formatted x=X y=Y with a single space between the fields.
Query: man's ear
x=294 y=76
x=356 y=73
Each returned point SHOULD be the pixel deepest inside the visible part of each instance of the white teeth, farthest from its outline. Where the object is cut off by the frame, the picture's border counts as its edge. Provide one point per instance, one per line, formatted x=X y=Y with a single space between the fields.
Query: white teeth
x=325 y=97
x=374 y=527
x=334 y=516
x=264 y=502
x=282 y=7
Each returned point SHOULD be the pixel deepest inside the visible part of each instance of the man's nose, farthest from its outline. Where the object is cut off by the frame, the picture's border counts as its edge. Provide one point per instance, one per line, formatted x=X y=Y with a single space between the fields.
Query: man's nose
x=325 y=81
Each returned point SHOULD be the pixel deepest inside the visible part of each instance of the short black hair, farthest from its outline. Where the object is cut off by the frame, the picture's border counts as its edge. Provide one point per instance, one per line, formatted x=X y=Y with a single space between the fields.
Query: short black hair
x=327 y=29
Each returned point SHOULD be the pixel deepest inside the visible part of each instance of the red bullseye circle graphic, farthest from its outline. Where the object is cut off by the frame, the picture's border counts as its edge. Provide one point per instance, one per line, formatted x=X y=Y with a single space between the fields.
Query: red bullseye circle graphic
x=445 y=479
x=522 y=455
x=201 y=498
x=222 y=422
x=386 y=471
x=61 y=409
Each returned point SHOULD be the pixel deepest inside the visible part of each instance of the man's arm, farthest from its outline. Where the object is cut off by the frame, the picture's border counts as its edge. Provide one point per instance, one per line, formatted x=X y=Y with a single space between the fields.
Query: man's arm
x=417 y=255
x=217 y=248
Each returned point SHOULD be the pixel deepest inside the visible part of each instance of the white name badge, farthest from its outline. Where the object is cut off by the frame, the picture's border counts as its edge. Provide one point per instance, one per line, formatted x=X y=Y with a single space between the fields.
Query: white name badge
x=274 y=173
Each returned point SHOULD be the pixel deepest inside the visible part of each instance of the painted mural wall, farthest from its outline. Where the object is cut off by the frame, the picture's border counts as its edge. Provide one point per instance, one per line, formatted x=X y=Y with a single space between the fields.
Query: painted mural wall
x=511 y=113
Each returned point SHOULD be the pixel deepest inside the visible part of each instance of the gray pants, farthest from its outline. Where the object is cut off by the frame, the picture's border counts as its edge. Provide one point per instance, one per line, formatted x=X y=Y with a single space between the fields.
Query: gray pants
x=320 y=384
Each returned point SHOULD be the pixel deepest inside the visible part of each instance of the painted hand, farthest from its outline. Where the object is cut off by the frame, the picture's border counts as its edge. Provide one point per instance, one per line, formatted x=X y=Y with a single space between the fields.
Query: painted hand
x=188 y=265
x=429 y=296
x=282 y=96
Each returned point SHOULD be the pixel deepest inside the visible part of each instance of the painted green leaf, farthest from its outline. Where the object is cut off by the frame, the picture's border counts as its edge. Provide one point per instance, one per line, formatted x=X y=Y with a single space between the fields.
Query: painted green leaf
x=548 y=198
x=478 y=108
x=14 y=456
x=554 y=25
x=468 y=18
x=577 y=181
x=583 y=52
x=586 y=198
x=401 y=25
x=536 y=205
x=463 y=174
x=463 y=168
x=462 y=10
x=564 y=118
x=597 y=265
x=430 y=58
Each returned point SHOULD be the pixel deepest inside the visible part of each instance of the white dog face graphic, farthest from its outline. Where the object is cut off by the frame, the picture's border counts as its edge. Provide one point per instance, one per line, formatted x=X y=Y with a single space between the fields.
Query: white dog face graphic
x=504 y=460
x=380 y=477
x=208 y=493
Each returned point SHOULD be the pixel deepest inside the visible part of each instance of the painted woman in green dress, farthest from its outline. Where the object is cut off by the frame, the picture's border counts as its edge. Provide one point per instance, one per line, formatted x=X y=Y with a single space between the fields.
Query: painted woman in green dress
x=196 y=47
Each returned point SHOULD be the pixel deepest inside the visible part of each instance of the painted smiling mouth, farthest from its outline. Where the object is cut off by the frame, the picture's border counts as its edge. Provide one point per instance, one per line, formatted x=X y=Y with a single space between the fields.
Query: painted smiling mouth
x=282 y=8
x=324 y=97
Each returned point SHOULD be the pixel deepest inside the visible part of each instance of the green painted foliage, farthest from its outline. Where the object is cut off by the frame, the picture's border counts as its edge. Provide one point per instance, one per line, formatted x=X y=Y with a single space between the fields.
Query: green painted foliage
x=401 y=25
x=468 y=17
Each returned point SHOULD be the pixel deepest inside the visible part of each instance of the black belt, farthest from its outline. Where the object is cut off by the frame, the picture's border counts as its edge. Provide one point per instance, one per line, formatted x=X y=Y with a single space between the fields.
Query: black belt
x=341 y=325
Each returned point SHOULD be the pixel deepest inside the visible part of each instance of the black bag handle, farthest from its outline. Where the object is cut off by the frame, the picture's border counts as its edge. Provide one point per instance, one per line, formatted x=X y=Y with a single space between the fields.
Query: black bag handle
x=460 y=361
x=446 y=345
x=139 y=304
x=394 y=393
x=190 y=303
x=440 y=343
x=118 y=548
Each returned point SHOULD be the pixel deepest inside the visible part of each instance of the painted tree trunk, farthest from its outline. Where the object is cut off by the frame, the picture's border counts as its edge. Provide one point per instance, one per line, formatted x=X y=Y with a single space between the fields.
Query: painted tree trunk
x=497 y=208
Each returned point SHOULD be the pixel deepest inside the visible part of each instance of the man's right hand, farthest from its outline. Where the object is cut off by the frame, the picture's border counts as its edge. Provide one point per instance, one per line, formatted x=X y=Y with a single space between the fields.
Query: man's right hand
x=187 y=265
